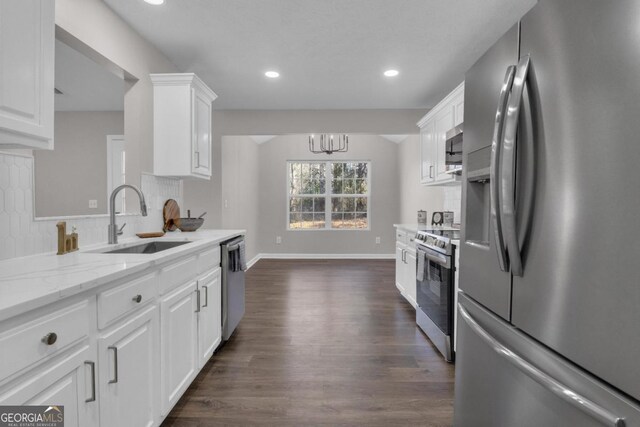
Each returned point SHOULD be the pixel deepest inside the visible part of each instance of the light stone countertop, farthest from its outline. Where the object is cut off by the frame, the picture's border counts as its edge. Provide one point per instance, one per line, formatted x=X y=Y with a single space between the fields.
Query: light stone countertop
x=30 y=282
x=415 y=227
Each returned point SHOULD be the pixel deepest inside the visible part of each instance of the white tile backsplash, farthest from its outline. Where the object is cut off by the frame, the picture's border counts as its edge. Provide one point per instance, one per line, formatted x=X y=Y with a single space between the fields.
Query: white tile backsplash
x=453 y=201
x=21 y=235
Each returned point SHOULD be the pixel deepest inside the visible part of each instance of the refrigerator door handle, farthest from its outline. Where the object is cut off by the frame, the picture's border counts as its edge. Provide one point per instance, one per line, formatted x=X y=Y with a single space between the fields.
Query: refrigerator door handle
x=496 y=145
x=508 y=163
x=558 y=389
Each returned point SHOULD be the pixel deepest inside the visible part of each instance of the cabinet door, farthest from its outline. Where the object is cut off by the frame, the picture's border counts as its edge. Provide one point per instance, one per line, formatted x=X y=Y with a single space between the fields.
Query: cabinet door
x=443 y=122
x=26 y=73
x=400 y=267
x=128 y=372
x=201 y=135
x=458 y=110
x=68 y=381
x=209 y=317
x=410 y=277
x=179 y=343
x=427 y=153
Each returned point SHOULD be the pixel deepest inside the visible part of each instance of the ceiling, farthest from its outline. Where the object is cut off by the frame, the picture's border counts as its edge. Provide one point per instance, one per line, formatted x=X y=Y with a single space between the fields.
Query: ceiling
x=85 y=85
x=331 y=54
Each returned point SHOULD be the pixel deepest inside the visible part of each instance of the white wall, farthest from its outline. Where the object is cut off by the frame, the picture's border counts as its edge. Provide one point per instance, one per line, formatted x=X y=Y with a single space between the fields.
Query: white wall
x=80 y=160
x=240 y=188
x=254 y=186
x=415 y=196
x=206 y=195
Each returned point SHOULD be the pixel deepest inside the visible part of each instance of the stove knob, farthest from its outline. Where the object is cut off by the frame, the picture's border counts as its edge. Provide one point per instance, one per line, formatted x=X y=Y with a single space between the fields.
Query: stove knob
x=441 y=244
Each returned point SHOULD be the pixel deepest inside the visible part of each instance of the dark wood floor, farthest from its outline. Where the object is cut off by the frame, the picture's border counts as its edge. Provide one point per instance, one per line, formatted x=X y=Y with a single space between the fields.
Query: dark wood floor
x=322 y=343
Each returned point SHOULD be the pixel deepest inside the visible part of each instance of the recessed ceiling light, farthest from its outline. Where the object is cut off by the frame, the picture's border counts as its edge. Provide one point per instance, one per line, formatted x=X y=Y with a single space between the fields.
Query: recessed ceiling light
x=155 y=2
x=391 y=73
x=272 y=74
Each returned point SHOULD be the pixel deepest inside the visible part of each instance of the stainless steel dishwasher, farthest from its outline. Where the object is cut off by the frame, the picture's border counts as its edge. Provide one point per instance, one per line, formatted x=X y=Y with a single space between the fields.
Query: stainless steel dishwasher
x=233 y=267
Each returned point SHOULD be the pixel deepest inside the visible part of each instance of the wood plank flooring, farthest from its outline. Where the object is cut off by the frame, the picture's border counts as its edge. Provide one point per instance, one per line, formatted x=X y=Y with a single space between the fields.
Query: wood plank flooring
x=322 y=343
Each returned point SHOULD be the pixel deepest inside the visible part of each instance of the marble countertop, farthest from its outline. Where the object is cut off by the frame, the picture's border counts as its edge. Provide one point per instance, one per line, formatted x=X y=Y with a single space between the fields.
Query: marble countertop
x=30 y=282
x=414 y=228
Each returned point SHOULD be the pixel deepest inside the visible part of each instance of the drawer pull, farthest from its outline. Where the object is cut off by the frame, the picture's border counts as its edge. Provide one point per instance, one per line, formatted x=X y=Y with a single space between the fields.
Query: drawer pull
x=137 y=299
x=115 y=364
x=50 y=338
x=93 y=381
x=198 y=300
x=206 y=296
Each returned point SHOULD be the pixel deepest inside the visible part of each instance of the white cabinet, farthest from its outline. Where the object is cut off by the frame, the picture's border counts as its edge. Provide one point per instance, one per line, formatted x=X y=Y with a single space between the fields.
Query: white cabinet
x=400 y=267
x=209 y=316
x=406 y=266
x=69 y=381
x=128 y=371
x=433 y=128
x=26 y=73
x=182 y=131
x=178 y=342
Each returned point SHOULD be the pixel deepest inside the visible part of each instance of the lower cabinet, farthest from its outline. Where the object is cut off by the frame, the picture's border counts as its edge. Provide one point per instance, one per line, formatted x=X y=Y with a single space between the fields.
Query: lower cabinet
x=68 y=380
x=127 y=358
x=410 y=276
x=400 y=251
x=178 y=343
x=406 y=267
x=209 y=316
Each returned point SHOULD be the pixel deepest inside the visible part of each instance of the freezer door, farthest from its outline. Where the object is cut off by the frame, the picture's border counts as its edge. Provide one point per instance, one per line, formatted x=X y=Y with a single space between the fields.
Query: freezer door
x=580 y=289
x=505 y=379
x=480 y=273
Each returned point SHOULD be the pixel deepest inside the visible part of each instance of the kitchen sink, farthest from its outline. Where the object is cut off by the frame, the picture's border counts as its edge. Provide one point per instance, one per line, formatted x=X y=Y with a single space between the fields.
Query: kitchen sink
x=147 y=248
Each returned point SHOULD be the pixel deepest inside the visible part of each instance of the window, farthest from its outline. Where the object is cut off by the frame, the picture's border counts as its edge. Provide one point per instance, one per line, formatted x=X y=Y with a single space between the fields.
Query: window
x=328 y=195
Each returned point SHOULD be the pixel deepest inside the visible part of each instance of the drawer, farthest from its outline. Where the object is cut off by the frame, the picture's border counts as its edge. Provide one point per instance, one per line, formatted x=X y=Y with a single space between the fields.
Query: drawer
x=125 y=298
x=23 y=346
x=401 y=237
x=178 y=274
x=208 y=260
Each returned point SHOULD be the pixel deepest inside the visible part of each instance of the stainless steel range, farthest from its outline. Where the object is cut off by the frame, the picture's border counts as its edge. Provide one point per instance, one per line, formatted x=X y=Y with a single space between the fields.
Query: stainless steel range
x=435 y=287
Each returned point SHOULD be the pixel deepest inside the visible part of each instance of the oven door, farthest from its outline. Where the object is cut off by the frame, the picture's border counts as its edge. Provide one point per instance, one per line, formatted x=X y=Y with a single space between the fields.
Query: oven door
x=434 y=293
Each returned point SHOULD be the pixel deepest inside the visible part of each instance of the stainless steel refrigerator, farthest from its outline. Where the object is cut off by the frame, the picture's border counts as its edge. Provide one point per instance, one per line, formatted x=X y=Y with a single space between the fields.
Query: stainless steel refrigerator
x=549 y=310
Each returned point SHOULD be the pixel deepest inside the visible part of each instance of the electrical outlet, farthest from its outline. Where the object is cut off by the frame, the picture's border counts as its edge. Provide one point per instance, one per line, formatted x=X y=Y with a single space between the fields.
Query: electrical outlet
x=93 y=204
x=278 y=240
x=226 y=204
x=378 y=240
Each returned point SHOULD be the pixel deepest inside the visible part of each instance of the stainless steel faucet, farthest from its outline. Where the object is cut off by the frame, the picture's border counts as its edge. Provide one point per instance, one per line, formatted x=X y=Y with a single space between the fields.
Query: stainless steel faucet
x=114 y=232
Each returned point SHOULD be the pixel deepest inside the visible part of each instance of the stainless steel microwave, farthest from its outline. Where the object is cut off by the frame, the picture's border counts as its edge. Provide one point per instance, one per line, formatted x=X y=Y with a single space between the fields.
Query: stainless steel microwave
x=453 y=146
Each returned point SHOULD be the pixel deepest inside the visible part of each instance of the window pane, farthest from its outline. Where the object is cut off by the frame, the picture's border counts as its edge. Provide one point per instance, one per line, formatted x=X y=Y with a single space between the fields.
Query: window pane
x=318 y=204
x=294 y=220
x=349 y=170
x=361 y=186
x=336 y=204
x=348 y=204
x=349 y=186
x=361 y=204
x=307 y=204
x=294 y=178
x=336 y=187
x=295 y=204
x=318 y=220
x=307 y=219
x=337 y=170
x=361 y=170
x=336 y=220
x=361 y=220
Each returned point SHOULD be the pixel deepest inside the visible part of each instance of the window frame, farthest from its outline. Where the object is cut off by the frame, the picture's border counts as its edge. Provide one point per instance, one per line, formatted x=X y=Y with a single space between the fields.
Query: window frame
x=328 y=195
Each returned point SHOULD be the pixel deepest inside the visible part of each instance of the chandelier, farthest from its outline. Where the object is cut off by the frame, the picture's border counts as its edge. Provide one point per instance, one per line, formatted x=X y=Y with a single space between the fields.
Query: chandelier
x=329 y=145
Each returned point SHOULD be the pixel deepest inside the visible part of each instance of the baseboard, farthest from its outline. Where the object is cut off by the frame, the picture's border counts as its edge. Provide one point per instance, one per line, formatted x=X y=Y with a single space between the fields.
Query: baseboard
x=253 y=261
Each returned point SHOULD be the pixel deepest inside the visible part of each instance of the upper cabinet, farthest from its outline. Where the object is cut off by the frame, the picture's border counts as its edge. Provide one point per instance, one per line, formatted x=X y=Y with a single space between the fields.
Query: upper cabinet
x=182 y=106
x=27 y=38
x=433 y=129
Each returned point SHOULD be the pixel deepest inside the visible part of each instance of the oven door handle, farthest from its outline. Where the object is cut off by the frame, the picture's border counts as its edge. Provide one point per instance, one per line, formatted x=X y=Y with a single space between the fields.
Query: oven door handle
x=439 y=259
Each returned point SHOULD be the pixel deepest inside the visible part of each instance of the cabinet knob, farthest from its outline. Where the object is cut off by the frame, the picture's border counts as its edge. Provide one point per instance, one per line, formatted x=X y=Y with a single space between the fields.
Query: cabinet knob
x=137 y=298
x=50 y=338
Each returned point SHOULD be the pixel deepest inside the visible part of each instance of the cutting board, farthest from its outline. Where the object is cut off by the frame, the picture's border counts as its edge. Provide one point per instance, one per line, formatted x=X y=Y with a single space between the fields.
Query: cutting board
x=171 y=215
